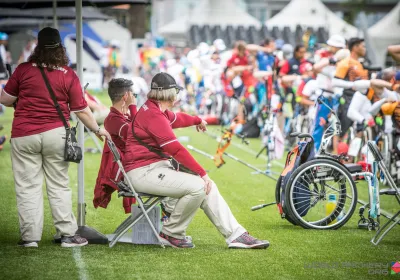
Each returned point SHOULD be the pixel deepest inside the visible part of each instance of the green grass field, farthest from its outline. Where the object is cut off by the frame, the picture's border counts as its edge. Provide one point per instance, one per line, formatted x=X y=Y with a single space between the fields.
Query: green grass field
x=294 y=253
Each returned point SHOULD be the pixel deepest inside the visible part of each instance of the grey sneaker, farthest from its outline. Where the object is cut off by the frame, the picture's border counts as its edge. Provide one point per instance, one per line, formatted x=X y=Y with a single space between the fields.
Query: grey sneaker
x=246 y=241
x=175 y=242
x=27 y=244
x=73 y=241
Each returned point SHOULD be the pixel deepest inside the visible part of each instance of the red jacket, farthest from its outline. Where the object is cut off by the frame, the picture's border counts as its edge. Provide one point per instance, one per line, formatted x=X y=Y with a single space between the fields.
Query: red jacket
x=116 y=125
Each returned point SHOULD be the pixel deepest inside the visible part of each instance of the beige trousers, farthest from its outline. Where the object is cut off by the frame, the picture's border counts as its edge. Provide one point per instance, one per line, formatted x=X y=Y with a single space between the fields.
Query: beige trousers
x=33 y=158
x=161 y=179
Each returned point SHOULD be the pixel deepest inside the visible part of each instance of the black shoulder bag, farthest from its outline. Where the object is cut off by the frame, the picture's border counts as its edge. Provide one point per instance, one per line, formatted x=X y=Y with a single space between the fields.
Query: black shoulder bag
x=175 y=164
x=72 y=152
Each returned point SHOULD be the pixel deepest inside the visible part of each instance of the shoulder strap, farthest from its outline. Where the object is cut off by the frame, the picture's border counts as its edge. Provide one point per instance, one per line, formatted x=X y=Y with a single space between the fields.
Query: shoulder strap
x=150 y=148
x=53 y=97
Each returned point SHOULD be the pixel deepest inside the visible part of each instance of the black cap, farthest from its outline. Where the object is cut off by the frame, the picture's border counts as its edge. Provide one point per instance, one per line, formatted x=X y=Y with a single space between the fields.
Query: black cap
x=164 y=81
x=49 y=38
x=354 y=41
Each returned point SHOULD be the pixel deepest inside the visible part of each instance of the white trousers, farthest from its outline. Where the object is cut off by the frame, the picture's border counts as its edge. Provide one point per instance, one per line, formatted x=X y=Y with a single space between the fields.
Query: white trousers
x=34 y=158
x=161 y=179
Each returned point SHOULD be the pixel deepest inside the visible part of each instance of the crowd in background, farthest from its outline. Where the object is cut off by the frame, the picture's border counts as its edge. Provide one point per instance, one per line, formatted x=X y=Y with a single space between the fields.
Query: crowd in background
x=241 y=87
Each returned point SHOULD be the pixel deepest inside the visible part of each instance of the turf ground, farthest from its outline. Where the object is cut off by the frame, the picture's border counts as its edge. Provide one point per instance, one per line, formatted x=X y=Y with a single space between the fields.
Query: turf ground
x=294 y=253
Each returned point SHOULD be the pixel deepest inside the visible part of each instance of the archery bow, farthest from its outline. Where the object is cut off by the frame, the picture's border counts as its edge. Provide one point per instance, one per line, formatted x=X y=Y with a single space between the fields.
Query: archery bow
x=224 y=143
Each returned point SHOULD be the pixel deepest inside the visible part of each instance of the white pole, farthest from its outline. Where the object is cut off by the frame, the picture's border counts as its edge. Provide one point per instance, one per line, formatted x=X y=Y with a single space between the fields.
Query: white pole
x=81 y=140
x=55 y=19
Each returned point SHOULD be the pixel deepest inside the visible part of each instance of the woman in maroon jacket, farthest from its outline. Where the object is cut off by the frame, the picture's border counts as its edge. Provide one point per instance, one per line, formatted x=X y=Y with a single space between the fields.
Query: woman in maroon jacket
x=150 y=172
x=38 y=138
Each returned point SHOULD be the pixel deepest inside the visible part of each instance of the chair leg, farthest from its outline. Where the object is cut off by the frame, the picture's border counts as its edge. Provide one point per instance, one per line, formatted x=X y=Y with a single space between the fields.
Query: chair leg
x=130 y=222
x=144 y=211
x=127 y=221
x=376 y=239
x=130 y=219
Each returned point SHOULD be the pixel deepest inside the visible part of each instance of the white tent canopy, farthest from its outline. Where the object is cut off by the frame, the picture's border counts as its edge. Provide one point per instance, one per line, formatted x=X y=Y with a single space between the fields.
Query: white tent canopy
x=384 y=33
x=311 y=13
x=211 y=12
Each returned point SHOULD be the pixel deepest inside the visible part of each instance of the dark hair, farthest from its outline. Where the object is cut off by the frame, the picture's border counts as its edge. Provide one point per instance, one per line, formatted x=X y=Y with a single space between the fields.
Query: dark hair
x=56 y=57
x=298 y=47
x=117 y=88
x=353 y=42
x=266 y=41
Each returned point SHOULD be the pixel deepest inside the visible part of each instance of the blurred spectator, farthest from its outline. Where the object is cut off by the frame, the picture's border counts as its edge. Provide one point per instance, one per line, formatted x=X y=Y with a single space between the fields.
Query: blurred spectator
x=264 y=54
x=292 y=66
x=27 y=51
x=104 y=62
x=3 y=56
x=114 y=59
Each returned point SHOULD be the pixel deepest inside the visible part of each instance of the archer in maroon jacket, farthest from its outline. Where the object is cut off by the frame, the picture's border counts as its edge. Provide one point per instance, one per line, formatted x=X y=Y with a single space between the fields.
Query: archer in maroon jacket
x=117 y=123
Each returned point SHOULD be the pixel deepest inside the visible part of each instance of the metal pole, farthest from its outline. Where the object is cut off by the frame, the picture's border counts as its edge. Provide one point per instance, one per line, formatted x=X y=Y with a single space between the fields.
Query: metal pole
x=55 y=19
x=81 y=134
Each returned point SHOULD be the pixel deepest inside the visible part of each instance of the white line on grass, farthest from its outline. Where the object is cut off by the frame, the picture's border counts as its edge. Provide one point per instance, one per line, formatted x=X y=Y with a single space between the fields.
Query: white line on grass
x=80 y=263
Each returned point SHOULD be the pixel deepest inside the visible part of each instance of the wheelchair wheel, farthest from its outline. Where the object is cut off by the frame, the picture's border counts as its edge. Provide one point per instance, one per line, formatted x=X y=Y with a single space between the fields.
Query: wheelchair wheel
x=321 y=194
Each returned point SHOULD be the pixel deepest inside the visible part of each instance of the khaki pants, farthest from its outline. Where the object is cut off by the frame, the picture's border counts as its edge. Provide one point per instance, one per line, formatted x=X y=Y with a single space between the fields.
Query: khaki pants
x=161 y=179
x=33 y=158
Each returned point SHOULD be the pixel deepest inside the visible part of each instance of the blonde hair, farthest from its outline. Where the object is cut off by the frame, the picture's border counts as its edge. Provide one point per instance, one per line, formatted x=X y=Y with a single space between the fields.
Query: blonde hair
x=163 y=94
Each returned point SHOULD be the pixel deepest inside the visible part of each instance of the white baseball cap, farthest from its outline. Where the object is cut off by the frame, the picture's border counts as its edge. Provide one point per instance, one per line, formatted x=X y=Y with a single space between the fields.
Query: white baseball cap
x=287 y=50
x=220 y=45
x=336 y=41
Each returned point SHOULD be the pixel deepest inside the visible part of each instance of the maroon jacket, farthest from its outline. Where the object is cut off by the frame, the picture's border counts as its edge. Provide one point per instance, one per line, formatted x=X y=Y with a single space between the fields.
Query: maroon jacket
x=117 y=125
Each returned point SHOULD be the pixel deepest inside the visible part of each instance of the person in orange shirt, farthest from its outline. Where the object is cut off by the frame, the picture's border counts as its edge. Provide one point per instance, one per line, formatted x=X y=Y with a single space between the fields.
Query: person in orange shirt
x=352 y=77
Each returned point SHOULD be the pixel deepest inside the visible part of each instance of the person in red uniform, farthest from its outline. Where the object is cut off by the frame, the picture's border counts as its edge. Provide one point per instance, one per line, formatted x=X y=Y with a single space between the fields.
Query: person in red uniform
x=38 y=138
x=149 y=144
x=292 y=66
x=117 y=123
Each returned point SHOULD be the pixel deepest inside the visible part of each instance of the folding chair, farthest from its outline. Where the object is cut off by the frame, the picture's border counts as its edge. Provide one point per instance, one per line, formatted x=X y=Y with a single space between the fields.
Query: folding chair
x=127 y=190
x=393 y=190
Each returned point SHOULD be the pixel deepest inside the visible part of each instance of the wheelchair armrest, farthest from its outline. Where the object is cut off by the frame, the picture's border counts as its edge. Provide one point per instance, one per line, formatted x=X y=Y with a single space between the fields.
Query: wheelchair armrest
x=353 y=168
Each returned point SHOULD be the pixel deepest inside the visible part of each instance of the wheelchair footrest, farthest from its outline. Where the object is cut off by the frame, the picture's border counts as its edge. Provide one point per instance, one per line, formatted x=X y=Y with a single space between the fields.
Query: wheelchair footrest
x=388 y=191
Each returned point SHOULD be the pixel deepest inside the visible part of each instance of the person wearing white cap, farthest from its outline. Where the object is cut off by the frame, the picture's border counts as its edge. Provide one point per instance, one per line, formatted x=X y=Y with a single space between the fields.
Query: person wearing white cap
x=335 y=43
x=325 y=66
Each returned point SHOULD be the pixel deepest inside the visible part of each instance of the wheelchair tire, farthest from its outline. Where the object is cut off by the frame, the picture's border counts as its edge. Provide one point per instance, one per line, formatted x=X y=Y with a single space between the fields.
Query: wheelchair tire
x=341 y=174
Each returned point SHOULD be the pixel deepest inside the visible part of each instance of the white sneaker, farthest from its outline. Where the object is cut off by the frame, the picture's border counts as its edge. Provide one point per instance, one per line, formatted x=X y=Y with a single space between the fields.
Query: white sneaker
x=27 y=244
